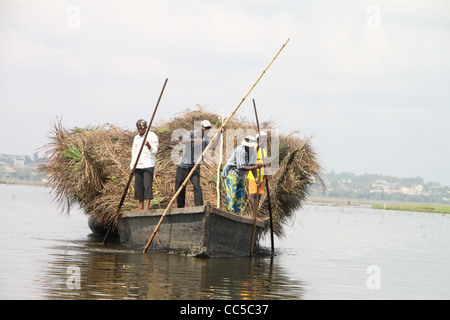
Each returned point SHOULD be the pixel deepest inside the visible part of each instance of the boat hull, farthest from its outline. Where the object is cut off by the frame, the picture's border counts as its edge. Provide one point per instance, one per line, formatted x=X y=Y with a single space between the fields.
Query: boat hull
x=199 y=231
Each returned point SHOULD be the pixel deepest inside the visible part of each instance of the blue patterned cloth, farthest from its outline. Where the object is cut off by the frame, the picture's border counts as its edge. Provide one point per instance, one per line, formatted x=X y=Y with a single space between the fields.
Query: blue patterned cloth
x=235 y=193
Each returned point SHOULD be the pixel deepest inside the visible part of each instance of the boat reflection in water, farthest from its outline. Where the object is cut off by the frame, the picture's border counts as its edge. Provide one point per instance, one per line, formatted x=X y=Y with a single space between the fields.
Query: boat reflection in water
x=88 y=270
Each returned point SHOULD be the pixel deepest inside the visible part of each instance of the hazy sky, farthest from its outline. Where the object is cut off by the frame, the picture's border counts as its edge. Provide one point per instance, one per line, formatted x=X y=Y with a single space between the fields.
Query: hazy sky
x=369 y=79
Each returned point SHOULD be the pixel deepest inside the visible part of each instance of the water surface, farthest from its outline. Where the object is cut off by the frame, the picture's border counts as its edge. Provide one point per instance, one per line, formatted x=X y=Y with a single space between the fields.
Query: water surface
x=328 y=253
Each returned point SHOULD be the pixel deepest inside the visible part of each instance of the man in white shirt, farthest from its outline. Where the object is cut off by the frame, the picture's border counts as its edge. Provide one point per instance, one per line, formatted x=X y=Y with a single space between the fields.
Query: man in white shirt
x=143 y=175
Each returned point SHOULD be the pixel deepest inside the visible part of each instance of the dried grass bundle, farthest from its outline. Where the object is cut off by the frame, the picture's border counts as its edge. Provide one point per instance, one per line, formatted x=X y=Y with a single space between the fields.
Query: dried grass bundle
x=89 y=167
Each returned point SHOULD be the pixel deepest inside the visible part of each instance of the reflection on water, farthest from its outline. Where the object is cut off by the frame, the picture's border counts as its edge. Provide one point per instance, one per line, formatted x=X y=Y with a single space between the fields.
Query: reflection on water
x=46 y=255
x=117 y=273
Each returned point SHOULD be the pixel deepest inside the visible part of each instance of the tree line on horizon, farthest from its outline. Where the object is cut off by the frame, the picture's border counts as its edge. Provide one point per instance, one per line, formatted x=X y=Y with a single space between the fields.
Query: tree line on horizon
x=367 y=186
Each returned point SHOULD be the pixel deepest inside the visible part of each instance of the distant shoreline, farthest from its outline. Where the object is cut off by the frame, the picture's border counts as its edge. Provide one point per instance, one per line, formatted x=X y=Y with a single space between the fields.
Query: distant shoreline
x=321 y=201
x=383 y=205
x=23 y=182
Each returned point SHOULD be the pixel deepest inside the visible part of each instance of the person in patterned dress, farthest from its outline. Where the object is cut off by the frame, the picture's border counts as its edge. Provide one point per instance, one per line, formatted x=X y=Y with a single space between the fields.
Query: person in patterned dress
x=242 y=160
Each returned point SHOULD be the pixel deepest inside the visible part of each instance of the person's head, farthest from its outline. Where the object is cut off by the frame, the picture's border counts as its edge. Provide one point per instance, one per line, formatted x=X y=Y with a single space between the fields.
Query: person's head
x=262 y=140
x=206 y=125
x=141 y=125
x=249 y=142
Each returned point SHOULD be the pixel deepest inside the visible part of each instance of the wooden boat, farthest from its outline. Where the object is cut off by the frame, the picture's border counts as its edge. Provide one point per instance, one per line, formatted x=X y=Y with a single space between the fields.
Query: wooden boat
x=202 y=231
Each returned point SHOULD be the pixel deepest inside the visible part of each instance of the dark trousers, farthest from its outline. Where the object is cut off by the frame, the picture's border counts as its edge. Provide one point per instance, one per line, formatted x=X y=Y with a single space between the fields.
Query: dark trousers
x=180 y=176
x=143 y=183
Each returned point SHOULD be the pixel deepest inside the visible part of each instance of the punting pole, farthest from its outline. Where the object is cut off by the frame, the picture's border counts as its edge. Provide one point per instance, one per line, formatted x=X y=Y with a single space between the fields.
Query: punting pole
x=169 y=206
x=137 y=160
x=218 y=167
x=257 y=194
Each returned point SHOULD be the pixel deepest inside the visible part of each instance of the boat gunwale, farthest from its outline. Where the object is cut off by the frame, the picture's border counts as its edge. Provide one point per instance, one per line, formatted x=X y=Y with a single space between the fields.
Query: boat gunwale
x=190 y=210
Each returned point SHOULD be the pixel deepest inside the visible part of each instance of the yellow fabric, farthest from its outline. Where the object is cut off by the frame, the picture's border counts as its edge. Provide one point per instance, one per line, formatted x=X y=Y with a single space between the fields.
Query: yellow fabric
x=259 y=159
x=253 y=187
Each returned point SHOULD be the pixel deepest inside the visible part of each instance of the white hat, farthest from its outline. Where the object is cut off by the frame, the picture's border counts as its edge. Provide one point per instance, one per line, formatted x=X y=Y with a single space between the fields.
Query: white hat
x=263 y=134
x=206 y=124
x=249 y=141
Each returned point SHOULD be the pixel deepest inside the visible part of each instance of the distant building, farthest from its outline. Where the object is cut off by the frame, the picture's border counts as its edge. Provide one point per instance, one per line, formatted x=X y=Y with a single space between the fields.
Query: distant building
x=383 y=186
x=18 y=161
x=6 y=167
x=414 y=190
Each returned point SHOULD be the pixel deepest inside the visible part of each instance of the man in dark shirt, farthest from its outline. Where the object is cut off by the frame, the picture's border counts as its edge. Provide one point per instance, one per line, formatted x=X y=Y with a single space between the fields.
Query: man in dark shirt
x=194 y=143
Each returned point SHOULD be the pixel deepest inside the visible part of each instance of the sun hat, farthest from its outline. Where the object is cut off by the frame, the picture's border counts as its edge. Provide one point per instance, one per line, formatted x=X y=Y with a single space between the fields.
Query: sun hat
x=249 y=141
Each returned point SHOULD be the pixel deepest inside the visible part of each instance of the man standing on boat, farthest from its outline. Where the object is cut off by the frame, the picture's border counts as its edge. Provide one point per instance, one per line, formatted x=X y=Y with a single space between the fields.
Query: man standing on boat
x=195 y=142
x=256 y=183
x=242 y=160
x=143 y=175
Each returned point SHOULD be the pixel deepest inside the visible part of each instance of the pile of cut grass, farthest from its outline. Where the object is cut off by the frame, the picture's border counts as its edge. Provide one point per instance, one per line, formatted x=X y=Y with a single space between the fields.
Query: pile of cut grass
x=89 y=168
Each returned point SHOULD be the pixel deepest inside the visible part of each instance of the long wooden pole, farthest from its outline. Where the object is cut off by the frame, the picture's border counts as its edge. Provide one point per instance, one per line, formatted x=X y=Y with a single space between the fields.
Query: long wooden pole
x=218 y=167
x=270 y=218
x=169 y=206
x=137 y=159
x=257 y=192
x=256 y=203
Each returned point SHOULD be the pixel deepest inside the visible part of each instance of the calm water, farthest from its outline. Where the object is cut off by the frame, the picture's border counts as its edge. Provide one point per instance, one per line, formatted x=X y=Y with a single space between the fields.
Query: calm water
x=328 y=253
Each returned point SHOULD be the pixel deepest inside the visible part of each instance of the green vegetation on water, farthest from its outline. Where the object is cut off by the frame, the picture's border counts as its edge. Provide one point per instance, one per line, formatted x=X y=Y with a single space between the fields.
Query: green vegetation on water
x=414 y=207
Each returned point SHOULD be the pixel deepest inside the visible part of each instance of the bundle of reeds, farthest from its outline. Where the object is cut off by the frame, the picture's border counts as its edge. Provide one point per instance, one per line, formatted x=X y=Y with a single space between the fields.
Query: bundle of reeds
x=89 y=167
